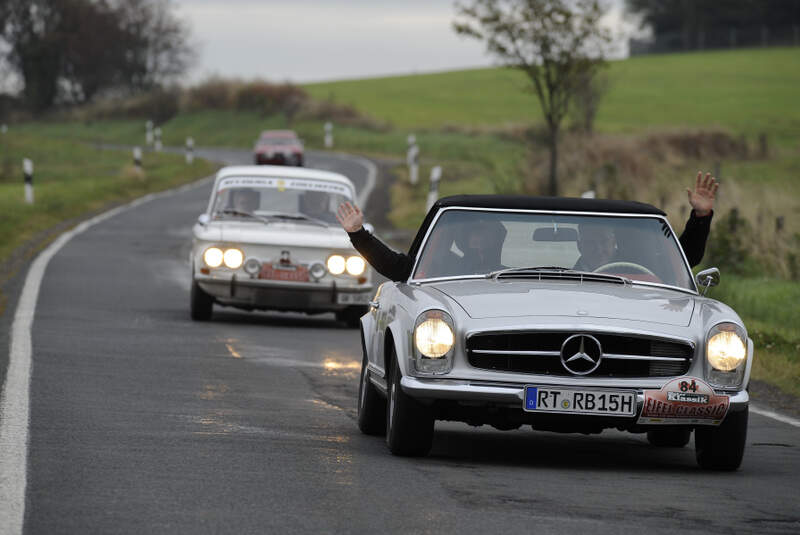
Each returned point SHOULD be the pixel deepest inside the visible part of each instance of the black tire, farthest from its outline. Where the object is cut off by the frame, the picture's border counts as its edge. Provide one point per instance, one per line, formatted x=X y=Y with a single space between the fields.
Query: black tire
x=351 y=316
x=669 y=438
x=202 y=304
x=371 y=405
x=722 y=448
x=409 y=425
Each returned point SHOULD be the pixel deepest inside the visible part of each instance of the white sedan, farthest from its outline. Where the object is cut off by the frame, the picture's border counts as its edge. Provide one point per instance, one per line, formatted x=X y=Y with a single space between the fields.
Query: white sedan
x=269 y=240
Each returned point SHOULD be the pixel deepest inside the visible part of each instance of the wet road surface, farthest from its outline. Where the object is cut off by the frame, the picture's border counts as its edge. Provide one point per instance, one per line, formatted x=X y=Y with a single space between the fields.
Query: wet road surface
x=144 y=421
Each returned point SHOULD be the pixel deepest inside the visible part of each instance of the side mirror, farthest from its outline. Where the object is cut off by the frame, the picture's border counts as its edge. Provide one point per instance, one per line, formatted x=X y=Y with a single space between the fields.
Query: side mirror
x=707 y=278
x=369 y=228
x=203 y=219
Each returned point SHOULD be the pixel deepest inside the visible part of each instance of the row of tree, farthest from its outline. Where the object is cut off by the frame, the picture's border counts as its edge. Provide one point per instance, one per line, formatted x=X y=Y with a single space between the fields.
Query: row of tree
x=73 y=50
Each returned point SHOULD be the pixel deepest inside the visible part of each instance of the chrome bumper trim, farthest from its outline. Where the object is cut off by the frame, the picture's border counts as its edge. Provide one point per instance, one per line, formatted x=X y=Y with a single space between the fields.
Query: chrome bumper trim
x=507 y=393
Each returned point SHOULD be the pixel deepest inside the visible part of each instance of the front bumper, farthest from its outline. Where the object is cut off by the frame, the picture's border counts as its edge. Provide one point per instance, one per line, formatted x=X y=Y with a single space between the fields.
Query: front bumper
x=507 y=394
x=286 y=296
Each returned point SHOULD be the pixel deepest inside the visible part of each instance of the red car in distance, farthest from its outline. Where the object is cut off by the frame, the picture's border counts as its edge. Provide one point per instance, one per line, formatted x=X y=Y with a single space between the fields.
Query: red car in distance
x=278 y=147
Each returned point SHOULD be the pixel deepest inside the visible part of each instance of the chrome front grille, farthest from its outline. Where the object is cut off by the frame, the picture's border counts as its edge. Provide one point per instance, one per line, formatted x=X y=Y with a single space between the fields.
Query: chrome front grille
x=540 y=353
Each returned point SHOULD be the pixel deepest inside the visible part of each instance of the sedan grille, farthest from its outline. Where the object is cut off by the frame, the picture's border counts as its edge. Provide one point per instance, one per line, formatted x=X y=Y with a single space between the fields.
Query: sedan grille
x=540 y=353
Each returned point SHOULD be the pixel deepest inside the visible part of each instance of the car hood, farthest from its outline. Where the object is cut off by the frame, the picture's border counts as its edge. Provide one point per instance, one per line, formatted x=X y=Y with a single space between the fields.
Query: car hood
x=493 y=299
x=279 y=233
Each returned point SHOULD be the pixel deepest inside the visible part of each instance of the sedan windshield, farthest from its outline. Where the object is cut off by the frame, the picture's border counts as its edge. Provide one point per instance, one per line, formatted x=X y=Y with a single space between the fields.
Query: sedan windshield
x=299 y=200
x=469 y=242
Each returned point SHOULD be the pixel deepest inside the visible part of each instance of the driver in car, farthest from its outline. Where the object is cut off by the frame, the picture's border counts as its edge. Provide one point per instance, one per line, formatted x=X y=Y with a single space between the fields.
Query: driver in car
x=314 y=204
x=397 y=266
x=245 y=200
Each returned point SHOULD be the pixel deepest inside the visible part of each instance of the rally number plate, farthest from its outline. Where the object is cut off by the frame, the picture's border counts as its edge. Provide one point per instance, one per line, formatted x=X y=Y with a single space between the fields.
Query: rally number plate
x=579 y=401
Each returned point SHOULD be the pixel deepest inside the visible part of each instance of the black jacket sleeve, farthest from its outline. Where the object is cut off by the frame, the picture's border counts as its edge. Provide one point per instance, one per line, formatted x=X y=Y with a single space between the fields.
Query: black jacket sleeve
x=693 y=239
x=391 y=264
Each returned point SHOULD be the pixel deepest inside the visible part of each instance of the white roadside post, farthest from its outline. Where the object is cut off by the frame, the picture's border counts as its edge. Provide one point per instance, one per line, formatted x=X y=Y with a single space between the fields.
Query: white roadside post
x=27 y=170
x=328 y=135
x=3 y=128
x=148 y=132
x=137 y=157
x=433 y=192
x=189 y=150
x=412 y=158
x=157 y=143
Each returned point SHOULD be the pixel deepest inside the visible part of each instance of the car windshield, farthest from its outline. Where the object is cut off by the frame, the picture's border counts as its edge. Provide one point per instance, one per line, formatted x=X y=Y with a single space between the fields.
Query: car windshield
x=470 y=242
x=309 y=200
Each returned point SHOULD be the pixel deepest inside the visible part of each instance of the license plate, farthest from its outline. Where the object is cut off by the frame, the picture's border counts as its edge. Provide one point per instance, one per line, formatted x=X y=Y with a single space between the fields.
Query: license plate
x=352 y=299
x=284 y=273
x=579 y=401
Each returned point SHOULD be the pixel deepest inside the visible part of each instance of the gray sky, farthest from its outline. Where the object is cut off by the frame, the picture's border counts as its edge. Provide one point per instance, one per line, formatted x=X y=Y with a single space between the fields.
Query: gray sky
x=309 y=40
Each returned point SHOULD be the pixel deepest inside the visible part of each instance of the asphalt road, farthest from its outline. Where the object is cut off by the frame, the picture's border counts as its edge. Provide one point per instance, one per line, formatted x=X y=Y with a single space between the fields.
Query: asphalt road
x=143 y=421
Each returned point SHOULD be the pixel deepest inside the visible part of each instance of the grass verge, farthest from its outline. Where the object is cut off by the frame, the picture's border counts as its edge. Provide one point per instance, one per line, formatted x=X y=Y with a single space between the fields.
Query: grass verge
x=72 y=179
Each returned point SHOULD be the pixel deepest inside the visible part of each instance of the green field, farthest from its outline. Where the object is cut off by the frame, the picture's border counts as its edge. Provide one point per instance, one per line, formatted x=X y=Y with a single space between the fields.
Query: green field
x=72 y=179
x=747 y=91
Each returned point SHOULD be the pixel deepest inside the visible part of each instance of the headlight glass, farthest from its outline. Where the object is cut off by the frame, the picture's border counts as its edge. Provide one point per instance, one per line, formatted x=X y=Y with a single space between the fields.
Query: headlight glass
x=317 y=270
x=726 y=350
x=726 y=355
x=233 y=258
x=213 y=257
x=336 y=264
x=356 y=265
x=434 y=340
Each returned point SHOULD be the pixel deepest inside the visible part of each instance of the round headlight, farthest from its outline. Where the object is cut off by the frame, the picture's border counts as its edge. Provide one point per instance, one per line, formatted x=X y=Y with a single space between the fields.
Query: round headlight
x=356 y=265
x=336 y=264
x=317 y=270
x=233 y=258
x=726 y=350
x=213 y=257
x=433 y=338
x=252 y=266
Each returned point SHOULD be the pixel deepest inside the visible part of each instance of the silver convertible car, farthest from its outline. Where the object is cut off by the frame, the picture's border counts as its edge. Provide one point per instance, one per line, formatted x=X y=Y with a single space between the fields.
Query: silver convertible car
x=270 y=240
x=568 y=315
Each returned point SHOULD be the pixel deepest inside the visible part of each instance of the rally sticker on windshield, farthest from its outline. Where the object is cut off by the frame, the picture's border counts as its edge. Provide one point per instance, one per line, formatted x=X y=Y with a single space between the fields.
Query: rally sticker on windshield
x=684 y=401
x=282 y=184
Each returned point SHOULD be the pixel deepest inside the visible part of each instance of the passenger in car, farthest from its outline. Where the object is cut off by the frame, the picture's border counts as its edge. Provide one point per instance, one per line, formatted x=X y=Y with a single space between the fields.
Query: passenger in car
x=397 y=266
x=245 y=200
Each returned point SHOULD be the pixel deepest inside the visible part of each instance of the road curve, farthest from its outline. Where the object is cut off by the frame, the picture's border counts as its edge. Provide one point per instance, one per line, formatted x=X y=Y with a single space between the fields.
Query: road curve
x=144 y=421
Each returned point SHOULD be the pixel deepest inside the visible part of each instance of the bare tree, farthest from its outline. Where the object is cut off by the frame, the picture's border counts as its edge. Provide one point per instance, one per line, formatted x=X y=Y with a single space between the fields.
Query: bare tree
x=556 y=43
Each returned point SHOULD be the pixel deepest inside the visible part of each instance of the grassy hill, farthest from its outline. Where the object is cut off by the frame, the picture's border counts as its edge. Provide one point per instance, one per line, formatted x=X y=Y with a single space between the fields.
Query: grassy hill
x=744 y=90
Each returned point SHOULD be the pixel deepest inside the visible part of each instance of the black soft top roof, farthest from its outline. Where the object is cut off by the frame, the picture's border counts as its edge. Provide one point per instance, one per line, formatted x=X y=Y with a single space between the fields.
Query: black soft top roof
x=522 y=202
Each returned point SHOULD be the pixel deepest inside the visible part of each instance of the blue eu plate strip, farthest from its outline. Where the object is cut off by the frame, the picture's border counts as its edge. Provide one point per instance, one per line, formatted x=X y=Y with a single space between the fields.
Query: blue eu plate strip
x=531 y=397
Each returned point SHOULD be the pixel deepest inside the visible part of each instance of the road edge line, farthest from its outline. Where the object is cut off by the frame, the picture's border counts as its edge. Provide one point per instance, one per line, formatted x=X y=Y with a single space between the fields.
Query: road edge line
x=774 y=415
x=15 y=394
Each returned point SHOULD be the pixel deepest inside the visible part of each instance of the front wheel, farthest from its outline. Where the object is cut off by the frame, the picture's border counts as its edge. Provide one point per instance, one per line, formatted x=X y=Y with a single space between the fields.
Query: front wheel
x=202 y=304
x=669 y=438
x=722 y=447
x=371 y=406
x=409 y=425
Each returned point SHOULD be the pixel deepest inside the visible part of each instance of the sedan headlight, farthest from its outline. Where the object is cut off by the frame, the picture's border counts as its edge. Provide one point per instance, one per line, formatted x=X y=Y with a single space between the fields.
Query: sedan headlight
x=336 y=264
x=233 y=258
x=434 y=339
x=356 y=265
x=726 y=353
x=213 y=257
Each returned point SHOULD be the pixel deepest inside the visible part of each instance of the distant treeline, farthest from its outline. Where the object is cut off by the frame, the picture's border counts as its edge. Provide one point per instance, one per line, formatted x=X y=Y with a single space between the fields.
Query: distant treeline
x=678 y=25
x=70 y=51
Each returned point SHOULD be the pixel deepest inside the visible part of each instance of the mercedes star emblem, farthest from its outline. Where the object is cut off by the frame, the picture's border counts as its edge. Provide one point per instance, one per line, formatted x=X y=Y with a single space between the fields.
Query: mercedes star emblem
x=581 y=354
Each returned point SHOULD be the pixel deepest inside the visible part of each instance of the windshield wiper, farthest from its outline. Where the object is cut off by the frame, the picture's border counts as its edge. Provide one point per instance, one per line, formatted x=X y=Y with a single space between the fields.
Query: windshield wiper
x=231 y=211
x=300 y=217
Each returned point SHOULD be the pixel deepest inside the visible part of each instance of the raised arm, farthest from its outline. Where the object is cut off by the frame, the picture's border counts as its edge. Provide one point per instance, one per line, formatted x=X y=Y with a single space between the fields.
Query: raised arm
x=694 y=237
x=391 y=264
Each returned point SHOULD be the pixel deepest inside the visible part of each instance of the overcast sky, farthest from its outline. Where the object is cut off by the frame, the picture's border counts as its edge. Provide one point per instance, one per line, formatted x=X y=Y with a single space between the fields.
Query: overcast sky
x=310 y=40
